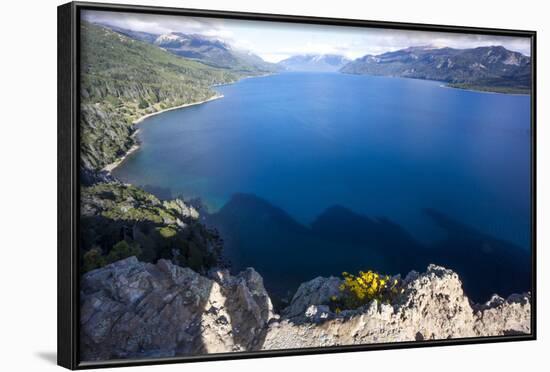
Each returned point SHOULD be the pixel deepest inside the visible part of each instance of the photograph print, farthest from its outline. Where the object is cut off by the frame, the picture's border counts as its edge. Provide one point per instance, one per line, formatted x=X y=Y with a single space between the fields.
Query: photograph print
x=251 y=185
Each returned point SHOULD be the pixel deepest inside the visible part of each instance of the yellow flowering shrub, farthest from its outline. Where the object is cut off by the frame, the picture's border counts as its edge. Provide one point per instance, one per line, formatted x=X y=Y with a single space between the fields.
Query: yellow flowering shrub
x=358 y=290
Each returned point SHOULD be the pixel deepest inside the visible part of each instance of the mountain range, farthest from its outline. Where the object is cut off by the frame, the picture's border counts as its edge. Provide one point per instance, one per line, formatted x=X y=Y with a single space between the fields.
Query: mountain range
x=314 y=63
x=491 y=68
x=208 y=50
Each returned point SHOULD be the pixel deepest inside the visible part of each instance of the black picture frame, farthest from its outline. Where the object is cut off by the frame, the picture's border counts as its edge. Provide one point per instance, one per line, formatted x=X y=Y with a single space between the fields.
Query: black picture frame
x=69 y=182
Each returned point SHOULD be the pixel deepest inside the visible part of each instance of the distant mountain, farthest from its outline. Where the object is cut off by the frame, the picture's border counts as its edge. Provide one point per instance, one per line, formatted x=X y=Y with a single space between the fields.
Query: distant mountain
x=250 y=59
x=208 y=50
x=314 y=62
x=492 y=68
x=213 y=52
x=136 y=35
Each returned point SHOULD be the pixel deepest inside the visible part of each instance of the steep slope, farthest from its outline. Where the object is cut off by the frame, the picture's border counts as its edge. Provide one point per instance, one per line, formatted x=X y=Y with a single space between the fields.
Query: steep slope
x=492 y=68
x=123 y=79
x=314 y=63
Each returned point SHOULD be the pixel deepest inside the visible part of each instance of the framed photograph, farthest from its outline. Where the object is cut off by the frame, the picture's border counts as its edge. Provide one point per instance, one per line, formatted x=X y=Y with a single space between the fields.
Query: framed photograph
x=236 y=185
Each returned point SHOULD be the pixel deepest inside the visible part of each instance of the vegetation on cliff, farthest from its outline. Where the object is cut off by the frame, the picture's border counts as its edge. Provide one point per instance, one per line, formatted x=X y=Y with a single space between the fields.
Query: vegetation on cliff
x=119 y=221
x=358 y=290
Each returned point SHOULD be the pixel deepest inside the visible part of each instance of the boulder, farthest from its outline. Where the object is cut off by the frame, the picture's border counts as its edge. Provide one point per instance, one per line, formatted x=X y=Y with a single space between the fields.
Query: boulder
x=131 y=309
x=317 y=291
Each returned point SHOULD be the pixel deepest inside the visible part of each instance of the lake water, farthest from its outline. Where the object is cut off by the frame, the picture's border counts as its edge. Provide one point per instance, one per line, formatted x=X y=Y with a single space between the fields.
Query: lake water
x=380 y=147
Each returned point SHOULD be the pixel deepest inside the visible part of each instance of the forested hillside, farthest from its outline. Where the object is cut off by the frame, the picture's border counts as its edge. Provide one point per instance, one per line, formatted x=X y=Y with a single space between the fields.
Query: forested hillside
x=123 y=79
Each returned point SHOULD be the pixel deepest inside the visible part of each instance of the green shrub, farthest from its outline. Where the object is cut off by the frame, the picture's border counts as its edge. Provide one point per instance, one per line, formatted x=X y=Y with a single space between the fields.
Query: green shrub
x=112 y=100
x=167 y=232
x=93 y=259
x=195 y=257
x=123 y=250
x=143 y=104
x=358 y=290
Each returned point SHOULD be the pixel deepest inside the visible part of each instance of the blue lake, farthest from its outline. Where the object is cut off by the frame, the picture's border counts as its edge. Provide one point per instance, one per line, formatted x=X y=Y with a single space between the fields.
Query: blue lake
x=380 y=147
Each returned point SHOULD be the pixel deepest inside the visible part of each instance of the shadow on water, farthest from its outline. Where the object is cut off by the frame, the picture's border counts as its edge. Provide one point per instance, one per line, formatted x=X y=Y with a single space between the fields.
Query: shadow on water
x=287 y=253
x=260 y=235
x=486 y=264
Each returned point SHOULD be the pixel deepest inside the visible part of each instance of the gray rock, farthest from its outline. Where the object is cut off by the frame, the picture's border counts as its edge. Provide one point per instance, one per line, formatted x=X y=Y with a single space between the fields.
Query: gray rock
x=318 y=313
x=180 y=207
x=315 y=292
x=432 y=306
x=501 y=316
x=131 y=309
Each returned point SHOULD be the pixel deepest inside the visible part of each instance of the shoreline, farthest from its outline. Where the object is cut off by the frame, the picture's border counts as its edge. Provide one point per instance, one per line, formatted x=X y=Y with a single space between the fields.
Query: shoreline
x=243 y=78
x=110 y=167
x=142 y=118
x=442 y=84
x=484 y=91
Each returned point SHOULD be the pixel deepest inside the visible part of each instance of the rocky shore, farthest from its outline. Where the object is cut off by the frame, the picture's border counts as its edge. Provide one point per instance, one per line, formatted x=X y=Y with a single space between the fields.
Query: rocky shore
x=131 y=309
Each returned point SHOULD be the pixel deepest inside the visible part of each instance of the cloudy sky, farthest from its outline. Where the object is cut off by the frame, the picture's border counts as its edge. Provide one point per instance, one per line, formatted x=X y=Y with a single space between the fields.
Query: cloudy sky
x=275 y=41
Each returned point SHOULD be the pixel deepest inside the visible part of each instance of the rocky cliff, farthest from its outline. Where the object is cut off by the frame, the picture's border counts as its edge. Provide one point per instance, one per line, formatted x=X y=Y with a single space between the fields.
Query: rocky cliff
x=131 y=309
x=432 y=306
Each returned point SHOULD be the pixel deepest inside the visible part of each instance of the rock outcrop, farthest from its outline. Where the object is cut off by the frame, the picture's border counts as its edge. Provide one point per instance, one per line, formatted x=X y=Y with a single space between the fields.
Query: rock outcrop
x=131 y=309
x=313 y=293
x=432 y=306
x=501 y=316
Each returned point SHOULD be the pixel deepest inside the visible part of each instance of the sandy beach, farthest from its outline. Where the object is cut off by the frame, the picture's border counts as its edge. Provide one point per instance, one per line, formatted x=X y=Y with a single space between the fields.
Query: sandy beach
x=214 y=97
x=110 y=167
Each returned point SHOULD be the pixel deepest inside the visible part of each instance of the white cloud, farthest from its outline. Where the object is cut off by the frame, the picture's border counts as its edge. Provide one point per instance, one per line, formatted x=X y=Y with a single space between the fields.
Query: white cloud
x=159 y=24
x=275 y=41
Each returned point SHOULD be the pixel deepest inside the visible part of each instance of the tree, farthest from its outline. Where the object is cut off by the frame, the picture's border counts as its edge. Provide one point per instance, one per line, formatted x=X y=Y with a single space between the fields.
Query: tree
x=123 y=250
x=143 y=104
x=93 y=259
